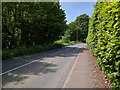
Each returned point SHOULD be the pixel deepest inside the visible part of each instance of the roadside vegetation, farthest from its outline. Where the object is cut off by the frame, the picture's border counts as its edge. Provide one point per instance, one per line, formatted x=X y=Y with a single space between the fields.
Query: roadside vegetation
x=31 y=23
x=104 y=39
x=11 y=53
x=77 y=30
x=32 y=27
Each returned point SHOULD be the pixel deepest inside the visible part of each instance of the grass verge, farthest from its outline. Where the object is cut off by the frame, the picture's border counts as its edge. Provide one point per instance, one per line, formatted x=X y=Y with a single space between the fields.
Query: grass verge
x=7 y=54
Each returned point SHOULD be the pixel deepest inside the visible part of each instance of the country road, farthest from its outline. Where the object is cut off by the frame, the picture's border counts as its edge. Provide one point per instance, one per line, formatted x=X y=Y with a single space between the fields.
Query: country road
x=57 y=68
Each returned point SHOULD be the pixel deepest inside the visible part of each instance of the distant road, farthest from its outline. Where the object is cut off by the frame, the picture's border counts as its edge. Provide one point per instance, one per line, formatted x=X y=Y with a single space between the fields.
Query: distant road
x=49 y=69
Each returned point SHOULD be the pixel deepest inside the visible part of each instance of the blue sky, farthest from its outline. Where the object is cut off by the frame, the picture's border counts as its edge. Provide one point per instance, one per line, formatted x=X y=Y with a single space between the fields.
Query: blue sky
x=74 y=9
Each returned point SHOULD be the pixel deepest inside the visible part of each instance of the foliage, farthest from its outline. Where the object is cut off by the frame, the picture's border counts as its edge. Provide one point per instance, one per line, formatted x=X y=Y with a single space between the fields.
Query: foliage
x=77 y=30
x=63 y=43
x=11 y=53
x=81 y=23
x=104 y=39
x=31 y=27
x=31 y=23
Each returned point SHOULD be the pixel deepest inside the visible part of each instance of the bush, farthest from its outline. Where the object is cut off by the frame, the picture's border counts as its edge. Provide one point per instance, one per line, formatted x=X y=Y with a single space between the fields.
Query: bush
x=6 y=54
x=104 y=39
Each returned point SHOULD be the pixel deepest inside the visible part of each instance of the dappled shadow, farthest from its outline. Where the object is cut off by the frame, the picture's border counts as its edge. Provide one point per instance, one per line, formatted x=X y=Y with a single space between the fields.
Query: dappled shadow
x=67 y=51
x=36 y=68
x=39 y=67
x=83 y=49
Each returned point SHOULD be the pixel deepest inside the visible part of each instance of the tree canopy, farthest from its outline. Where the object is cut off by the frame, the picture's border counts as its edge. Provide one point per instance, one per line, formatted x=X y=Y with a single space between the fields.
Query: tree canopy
x=77 y=30
x=31 y=23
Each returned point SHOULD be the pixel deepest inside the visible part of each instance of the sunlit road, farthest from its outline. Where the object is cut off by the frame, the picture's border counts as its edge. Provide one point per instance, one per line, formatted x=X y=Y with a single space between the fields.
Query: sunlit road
x=48 y=69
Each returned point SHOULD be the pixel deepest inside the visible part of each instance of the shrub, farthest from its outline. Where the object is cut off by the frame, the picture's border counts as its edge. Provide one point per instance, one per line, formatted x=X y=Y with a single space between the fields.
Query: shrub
x=104 y=39
x=6 y=54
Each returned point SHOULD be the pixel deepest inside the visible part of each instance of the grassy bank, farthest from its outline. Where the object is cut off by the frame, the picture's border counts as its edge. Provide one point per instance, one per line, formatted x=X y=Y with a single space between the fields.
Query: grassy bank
x=7 y=54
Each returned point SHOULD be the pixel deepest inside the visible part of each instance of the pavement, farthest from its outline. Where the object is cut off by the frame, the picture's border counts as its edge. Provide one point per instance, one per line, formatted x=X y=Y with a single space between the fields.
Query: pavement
x=81 y=76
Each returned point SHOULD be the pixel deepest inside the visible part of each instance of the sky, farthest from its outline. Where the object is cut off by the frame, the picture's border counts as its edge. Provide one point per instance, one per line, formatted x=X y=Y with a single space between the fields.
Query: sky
x=74 y=9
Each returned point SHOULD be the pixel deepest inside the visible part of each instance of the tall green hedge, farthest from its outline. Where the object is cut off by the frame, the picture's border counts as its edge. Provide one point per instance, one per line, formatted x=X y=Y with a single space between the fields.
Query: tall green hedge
x=104 y=39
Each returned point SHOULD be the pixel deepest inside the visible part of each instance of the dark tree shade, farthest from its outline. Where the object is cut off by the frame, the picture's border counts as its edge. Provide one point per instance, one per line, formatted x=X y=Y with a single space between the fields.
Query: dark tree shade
x=31 y=23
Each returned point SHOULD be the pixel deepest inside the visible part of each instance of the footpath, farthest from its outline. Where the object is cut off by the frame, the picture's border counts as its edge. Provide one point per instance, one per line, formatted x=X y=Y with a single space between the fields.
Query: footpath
x=86 y=72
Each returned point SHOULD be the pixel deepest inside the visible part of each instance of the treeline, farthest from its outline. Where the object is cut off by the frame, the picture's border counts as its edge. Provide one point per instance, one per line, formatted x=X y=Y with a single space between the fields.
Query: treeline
x=31 y=23
x=77 y=30
x=31 y=27
x=104 y=39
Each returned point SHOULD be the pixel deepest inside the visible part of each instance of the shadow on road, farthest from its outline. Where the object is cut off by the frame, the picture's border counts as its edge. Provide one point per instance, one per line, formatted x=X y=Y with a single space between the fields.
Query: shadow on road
x=37 y=68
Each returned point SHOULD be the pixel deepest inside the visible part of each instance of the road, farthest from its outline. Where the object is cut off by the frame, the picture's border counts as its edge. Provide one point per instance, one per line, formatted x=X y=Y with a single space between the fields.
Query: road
x=47 y=69
x=50 y=69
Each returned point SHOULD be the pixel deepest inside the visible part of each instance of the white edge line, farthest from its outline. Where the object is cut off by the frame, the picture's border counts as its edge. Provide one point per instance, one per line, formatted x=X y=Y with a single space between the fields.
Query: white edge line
x=25 y=64
x=18 y=67
x=69 y=75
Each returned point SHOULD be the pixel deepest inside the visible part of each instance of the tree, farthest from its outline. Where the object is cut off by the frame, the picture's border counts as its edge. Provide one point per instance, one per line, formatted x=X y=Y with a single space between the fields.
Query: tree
x=77 y=30
x=82 y=25
x=31 y=23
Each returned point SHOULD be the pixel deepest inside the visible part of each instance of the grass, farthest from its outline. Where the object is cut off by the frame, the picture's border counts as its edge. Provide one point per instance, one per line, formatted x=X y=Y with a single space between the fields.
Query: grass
x=7 y=54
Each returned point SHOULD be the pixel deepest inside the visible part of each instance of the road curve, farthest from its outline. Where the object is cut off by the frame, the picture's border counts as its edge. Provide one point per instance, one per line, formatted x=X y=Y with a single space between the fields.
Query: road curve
x=48 y=69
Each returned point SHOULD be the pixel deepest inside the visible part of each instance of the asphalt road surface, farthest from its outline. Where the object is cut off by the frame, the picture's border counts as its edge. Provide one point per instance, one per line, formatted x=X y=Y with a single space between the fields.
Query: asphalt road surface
x=49 y=69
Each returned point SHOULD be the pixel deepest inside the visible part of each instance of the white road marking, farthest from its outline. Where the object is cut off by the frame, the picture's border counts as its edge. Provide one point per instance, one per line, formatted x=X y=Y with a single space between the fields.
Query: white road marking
x=18 y=67
x=26 y=64
x=69 y=75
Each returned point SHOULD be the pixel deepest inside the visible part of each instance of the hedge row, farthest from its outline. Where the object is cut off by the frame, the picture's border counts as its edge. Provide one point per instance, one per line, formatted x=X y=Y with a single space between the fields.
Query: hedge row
x=104 y=39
